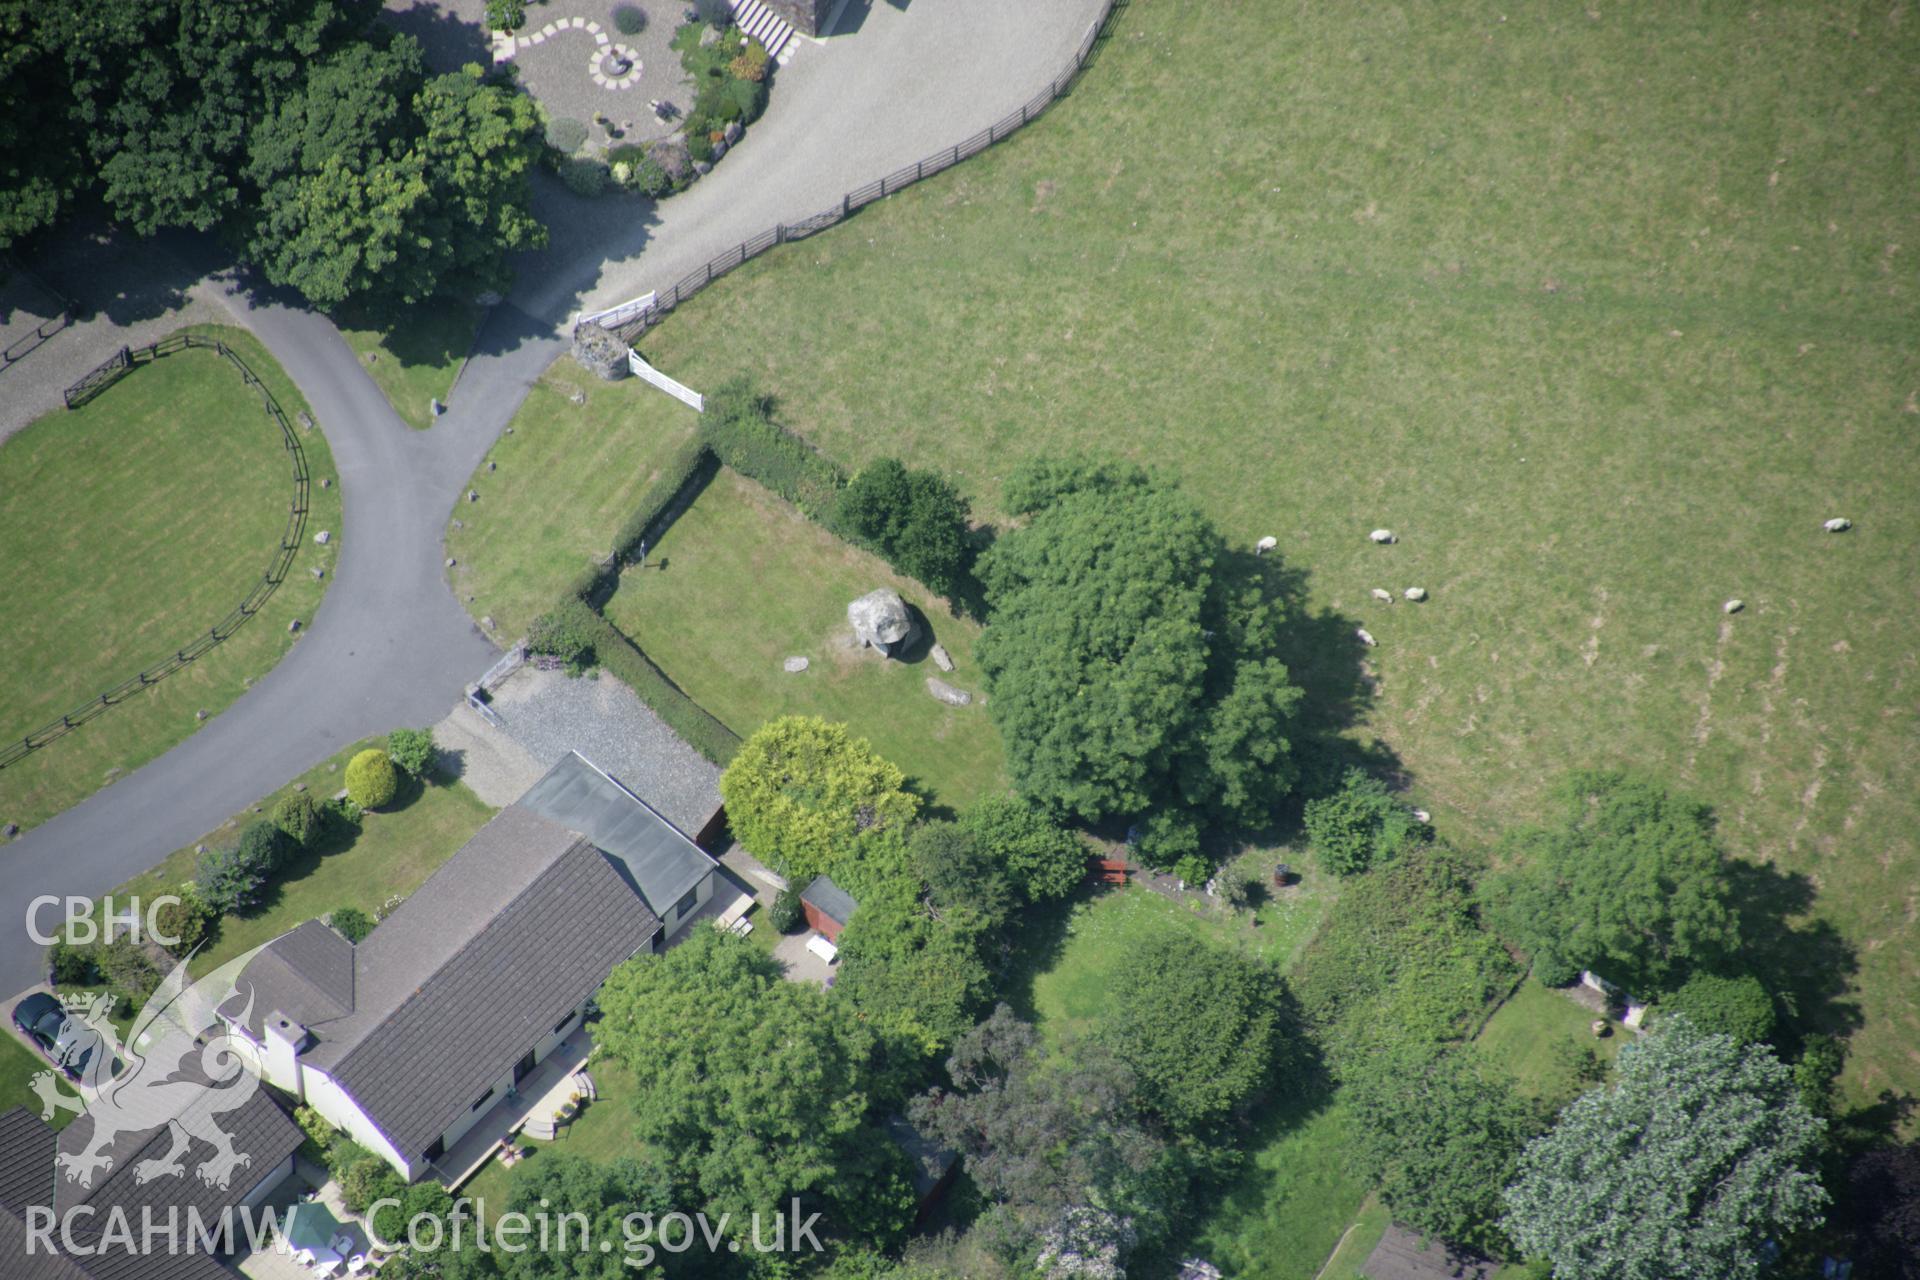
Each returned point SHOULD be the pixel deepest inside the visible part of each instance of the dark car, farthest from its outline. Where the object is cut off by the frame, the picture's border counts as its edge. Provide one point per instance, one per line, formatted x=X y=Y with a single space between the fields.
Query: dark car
x=42 y=1019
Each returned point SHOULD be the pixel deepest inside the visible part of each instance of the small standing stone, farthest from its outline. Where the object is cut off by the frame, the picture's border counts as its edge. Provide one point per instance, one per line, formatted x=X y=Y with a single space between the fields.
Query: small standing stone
x=299 y=786
x=702 y=168
x=510 y=429
x=1415 y=594
x=492 y=466
x=317 y=572
x=293 y=627
x=200 y=848
x=199 y=715
x=473 y=495
x=459 y=524
x=306 y=420
x=794 y=665
x=732 y=132
x=946 y=693
x=1383 y=536
x=325 y=483
x=435 y=408
x=11 y=830
x=486 y=620
x=451 y=562
x=1733 y=606
x=323 y=537
x=941 y=658
x=578 y=397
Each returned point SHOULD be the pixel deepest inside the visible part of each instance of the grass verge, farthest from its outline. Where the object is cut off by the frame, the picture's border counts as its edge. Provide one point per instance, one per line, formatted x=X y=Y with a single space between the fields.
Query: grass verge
x=414 y=360
x=131 y=525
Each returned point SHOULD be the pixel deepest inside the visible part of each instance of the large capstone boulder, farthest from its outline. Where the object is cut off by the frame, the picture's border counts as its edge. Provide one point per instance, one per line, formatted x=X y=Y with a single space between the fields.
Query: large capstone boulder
x=880 y=619
x=600 y=351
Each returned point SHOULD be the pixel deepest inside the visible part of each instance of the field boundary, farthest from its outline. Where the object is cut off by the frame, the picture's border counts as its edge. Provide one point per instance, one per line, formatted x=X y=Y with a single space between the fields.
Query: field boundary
x=652 y=309
x=118 y=366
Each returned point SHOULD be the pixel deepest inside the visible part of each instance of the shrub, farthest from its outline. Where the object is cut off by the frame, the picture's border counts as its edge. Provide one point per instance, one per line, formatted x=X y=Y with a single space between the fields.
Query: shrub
x=339 y=817
x=786 y=914
x=262 y=844
x=128 y=970
x=566 y=135
x=228 y=882
x=186 y=921
x=915 y=519
x=1193 y=869
x=351 y=923
x=319 y=1130
x=750 y=63
x=506 y=15
x=69 y=965
x=412 y=750
x=643 y=173
x=1043 y=858
x=371 y=781
x=699 y=139
x=369 y=1180
x=1165 y=837
x=1735 y=1006
x=585 y=175
x=343 y=1153
x=1357 y=826
x=629 y=20
x=738 y=426
x=565 y=632
x=298 y=819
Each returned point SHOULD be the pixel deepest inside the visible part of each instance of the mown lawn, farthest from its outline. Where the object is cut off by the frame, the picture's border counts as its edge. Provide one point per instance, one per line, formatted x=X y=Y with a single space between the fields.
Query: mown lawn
x=604 y=1132
x=1531 y=1034
x=742 y=581
x=563 y=483
x=414 y=360
x=128 y=527
x=1285 y=1213
x=1603 y=310
x=394 y=852
x=18 y=1066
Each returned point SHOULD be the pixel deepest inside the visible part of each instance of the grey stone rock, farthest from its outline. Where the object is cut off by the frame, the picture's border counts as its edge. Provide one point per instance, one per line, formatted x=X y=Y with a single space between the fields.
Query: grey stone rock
x=451 y=562
x=946 y=693
x=1733 y=606
x=293 y=627
x=1839 y=524
x=199 y=715
x=473 y=495
x=200 y=848
x=732 y=132
x=323 y=537
x=493 y=466
x=795 y=665
x=305 y=420
x=1383 y=536
x=578 y=396
x=719 y=149
x=486 y=620
x=709 y=37
x=317 y=572
x=435 y=408
x=600 y=352
x=941 y=658
x=299 y=786
x=1415 y=594
x=880 y=619
x=325 y=483
x=702 y=168
x=459 y=524
x=11 y=830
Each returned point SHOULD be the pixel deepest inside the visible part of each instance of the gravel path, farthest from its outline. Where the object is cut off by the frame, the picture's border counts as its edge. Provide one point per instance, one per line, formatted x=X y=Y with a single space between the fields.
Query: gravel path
x=390 y=645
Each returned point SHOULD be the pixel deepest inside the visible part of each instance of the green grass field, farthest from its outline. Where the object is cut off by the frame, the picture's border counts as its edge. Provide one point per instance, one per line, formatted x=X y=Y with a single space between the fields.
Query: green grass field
x=18 y=1066
x=1602 y=310
x=1525 y=1038
x=129 y=527
x=566 y=479
x=604 y=1132
x=395 y=851
x=742 y=580
x=416 y=360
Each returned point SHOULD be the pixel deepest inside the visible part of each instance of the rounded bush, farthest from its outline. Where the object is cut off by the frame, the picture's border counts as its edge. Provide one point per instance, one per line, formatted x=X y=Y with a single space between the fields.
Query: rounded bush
x=298 y=818
x=786 y=913
x=566 y=135
x=629 y=20
x=1736 y=1006
x=371 y=779
x=585 y=176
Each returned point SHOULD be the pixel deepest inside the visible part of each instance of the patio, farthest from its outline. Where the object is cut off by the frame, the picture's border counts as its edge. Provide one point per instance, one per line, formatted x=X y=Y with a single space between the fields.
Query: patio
x=544 y=1097
x=317 y=1236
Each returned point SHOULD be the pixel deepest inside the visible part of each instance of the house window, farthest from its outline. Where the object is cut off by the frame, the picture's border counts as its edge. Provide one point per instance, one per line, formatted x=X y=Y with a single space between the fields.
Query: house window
x=686 y=904
x=482 y=1100
x=565 y=1022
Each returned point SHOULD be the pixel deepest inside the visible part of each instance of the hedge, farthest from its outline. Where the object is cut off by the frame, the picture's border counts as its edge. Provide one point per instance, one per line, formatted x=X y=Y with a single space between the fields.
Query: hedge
x=682 y=714
x=688 y=470
x=737 y=427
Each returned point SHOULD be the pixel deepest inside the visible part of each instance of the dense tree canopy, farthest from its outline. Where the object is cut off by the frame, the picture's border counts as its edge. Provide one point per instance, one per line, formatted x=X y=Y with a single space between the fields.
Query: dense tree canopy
x=603 y=1195
x=1696 y=1157
x=1039 y=857
x=1200 y=1024
x=916 y=519
x=1133 y=669
x=1628 y=881
x=1883 y=1188
x=311 y=138
x=753 y=1088
x=808 y=798
x=1440 y=1133
x=1052 y=1143
x=1357 y=825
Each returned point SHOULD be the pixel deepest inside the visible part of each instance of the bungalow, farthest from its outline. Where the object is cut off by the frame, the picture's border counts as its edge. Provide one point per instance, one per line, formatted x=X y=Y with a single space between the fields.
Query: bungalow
x=410 y=1039
x=29 y=1181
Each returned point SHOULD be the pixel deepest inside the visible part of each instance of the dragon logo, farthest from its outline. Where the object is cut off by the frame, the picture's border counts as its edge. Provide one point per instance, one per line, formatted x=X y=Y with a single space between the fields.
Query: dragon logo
x=179 y=1069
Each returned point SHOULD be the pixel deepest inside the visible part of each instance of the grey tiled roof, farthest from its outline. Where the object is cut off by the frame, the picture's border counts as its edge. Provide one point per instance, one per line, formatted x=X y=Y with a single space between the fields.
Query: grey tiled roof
x=659 y=860
x=259 y=1127
x=306 y=974
x=542 y=955
x=830 y=898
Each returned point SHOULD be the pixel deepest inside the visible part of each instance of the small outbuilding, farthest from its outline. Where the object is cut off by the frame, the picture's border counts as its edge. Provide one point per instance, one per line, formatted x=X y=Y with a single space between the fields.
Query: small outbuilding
x=828 y=907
